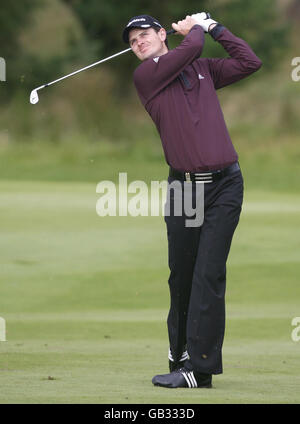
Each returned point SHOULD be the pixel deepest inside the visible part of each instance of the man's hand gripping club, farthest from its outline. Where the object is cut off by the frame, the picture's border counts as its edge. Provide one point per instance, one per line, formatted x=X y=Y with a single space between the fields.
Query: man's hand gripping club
x=183 y=27
x=203 y=19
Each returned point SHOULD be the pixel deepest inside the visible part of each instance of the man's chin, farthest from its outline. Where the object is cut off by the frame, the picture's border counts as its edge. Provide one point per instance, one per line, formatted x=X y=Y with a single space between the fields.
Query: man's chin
x=146 y=56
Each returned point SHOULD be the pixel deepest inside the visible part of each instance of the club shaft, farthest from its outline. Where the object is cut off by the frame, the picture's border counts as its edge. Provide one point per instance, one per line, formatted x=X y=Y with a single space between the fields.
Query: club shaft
x=85 y=68
x=171 y=31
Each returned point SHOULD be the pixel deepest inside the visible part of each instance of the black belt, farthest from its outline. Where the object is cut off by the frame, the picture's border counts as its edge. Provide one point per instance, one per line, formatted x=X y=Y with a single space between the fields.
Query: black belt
x=204 y=177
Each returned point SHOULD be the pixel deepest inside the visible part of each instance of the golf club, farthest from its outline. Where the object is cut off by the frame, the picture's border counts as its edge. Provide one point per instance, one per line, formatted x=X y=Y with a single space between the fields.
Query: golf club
x=34 y=98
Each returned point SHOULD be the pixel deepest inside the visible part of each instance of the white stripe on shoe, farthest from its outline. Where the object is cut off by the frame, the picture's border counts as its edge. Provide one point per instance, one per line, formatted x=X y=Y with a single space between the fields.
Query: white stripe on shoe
x=194 y=380
x=190 y=379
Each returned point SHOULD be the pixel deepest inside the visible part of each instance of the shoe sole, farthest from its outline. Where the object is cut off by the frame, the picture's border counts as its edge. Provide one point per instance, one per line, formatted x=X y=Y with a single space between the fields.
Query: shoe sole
x=208 y=386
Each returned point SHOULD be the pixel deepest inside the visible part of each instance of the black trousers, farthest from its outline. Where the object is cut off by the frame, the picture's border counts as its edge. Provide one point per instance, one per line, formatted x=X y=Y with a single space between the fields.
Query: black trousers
x=197 y=282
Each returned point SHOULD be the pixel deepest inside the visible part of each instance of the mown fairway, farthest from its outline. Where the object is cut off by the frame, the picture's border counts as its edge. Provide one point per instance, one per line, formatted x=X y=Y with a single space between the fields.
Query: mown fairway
x=85 y=301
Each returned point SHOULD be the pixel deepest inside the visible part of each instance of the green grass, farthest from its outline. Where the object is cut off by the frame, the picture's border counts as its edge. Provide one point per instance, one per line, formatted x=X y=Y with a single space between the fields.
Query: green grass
x=267 y=164
x=85 y=301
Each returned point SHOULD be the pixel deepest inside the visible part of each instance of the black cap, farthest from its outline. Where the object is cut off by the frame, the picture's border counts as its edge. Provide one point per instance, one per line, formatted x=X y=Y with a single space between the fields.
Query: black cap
x=141 y=21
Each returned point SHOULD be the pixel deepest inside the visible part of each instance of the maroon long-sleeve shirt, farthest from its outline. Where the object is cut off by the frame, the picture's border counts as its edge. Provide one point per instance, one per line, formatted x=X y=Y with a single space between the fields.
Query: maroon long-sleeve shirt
x=178 y=90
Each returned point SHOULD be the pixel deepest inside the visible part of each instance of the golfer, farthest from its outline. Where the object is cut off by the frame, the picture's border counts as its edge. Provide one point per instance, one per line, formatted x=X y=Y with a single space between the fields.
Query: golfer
x=178 y=90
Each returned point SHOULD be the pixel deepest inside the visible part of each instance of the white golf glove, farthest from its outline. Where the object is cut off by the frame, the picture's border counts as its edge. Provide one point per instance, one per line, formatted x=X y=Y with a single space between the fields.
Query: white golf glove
x=204 y=20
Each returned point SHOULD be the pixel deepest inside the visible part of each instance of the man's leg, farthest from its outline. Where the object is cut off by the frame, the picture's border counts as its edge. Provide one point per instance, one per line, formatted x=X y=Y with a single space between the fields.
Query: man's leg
x=206 y=315
x=182 y=249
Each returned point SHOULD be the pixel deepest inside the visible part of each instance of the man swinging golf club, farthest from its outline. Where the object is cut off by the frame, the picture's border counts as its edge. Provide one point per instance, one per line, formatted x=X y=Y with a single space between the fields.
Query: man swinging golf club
x=178 y=90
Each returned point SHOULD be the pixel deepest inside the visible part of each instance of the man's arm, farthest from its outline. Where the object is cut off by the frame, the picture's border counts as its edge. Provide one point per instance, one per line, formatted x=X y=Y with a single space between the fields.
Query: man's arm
x=241 y=63
x=153 y=75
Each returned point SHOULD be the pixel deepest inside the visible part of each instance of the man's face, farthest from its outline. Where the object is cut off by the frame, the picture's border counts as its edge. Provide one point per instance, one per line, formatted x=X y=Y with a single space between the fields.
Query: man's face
x=147 y=43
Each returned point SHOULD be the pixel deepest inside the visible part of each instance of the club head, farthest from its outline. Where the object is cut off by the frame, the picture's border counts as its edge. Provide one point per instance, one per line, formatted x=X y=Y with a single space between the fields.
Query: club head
x=34 y=98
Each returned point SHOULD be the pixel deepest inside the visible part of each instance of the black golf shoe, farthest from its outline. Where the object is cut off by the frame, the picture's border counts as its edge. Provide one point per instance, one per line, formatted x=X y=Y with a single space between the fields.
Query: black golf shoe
x=183 y=378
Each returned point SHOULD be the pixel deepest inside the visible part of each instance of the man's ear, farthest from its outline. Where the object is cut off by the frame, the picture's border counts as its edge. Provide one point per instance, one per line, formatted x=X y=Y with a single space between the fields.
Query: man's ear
x=162 y=34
